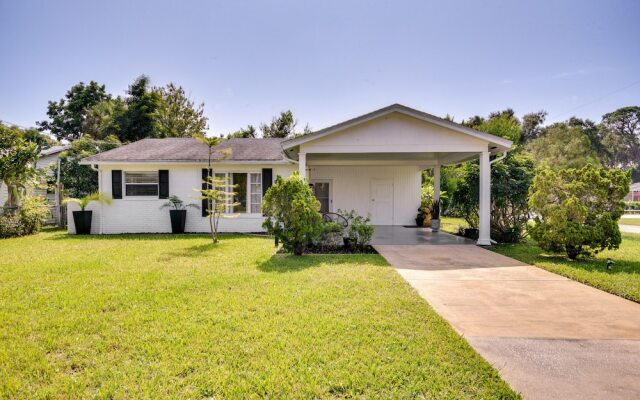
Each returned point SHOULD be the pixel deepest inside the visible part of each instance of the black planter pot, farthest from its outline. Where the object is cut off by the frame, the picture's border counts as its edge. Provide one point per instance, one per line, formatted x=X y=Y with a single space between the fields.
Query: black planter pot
x=82 y=221
x=419 y=221
x=178 y=220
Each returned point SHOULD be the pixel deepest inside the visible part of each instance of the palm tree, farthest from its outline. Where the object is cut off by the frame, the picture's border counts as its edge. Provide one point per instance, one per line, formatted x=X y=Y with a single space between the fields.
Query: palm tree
x=83 y=202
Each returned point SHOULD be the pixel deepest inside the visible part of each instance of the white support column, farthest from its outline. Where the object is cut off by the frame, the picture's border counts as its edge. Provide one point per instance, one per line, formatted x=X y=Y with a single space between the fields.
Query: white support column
x=436 y=182
x=302 y=165
x=484 y=238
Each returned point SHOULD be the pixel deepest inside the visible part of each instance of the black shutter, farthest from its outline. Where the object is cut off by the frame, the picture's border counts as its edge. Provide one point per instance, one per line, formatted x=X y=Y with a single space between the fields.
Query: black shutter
x=205 y=203
x=163 y=179
x=267 y=180
x=116 y=184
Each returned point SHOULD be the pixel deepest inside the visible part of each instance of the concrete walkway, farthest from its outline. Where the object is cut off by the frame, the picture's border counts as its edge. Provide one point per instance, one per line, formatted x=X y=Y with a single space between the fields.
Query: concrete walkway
x=549 y=336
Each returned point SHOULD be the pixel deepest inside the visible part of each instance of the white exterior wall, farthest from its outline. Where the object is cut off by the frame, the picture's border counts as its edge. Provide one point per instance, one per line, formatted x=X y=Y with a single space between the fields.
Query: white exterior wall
x=143 y=215
x=395 y=133
x=351 y=188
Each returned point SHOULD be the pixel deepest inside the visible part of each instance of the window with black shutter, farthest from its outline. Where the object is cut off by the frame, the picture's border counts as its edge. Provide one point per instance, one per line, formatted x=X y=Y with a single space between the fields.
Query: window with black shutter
x=116 y=184
x=267 y=180
x=206 y=173
x=163 y=179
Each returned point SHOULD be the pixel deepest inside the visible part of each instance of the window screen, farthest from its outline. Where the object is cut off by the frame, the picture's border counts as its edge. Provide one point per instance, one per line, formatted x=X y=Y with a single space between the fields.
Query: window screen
x=141 y=183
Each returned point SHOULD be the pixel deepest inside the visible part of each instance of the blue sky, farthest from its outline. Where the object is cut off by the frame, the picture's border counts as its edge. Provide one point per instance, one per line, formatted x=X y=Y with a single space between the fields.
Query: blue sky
x=327 y=60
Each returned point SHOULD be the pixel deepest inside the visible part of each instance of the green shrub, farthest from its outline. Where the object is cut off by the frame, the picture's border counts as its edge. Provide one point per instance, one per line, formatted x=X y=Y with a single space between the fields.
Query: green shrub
x=28 y=219
x=10 y=226
x=34 y=212
x=510 y=182
x=293 y=213
x=632 y=205
x=577 y=209
x=360 y=230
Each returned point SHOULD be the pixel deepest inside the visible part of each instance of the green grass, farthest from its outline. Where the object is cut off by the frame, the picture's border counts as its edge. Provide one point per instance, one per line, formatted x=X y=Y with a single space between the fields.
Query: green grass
x=451 y=224
x=623 y=280
x=160 y=316
x=630 y=221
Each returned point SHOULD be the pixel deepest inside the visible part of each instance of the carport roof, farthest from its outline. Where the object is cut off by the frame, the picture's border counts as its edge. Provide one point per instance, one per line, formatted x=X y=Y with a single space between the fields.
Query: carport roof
x=500 y=144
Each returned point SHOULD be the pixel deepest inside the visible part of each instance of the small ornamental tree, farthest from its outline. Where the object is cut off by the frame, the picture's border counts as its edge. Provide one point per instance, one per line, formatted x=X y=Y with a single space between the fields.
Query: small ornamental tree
x=219 y=195
x=293 y=213
x=577 y=210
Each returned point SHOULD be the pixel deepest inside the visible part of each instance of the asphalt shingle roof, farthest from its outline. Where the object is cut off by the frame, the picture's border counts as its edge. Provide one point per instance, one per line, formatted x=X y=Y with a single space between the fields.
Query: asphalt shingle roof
x=192 y=150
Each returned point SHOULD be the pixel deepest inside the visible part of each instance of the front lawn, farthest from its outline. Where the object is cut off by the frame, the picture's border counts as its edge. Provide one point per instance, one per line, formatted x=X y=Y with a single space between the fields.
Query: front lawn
x=160 y=316
x=623 y=280
x=452 y=224
x=630 y=221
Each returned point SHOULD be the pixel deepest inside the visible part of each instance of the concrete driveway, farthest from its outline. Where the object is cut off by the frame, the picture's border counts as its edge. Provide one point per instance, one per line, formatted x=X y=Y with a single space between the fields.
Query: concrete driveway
x=550 y=337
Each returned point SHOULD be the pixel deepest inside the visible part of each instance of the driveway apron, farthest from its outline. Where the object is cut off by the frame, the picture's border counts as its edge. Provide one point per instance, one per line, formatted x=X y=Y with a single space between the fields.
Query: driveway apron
x=550 y=337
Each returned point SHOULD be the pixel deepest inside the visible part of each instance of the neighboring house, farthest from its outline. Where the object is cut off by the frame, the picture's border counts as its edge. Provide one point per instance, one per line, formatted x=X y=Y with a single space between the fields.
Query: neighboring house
x=49 y=158
x=634 y=192
x=46 y=158
x=371 y=164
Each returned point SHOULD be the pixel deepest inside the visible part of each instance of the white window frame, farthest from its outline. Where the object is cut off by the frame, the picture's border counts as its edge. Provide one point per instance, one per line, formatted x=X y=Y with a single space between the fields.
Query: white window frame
x=140 y=197
x=228 y=175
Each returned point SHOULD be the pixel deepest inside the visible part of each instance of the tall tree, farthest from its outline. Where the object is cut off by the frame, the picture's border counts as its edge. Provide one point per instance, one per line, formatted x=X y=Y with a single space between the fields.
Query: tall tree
x=282 y=126
x=139 y=119
x=532 y=125
x=563 y=146
x=18 y=158
x=248 y=132
x=102 y=120
x=177 y=115
x=621 y=137
x=67 y=115
x=500 y=123
x=80 y=180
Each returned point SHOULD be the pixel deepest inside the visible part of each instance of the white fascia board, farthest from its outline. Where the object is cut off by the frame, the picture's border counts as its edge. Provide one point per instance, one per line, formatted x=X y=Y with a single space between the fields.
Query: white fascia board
x=280 y=162
x=504 y=143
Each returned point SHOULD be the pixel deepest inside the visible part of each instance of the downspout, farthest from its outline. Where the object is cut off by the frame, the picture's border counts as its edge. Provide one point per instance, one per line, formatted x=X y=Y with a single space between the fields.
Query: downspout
x=93 y=167
x=499 y=158
x=58 y=194
x=502 y=157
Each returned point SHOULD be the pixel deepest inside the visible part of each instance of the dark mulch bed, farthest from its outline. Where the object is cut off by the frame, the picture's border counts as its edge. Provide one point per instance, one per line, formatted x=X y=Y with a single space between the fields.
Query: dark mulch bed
x=335 y=250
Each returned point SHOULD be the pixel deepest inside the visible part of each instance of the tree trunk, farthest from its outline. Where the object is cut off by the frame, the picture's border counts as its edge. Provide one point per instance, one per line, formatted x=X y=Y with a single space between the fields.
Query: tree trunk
x=572 y=252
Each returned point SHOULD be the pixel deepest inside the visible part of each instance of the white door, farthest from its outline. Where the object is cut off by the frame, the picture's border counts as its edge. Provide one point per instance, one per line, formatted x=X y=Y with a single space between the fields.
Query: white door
x=322 y=191
x=381 y=201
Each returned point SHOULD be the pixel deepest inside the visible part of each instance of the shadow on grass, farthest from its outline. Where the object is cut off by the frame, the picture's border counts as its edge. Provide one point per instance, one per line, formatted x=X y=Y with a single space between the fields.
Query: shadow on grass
x=283 y=263
x=153 y=236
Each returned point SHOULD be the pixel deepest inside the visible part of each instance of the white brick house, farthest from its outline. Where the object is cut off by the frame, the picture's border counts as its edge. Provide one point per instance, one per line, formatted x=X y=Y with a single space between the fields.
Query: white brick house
x=371 y=163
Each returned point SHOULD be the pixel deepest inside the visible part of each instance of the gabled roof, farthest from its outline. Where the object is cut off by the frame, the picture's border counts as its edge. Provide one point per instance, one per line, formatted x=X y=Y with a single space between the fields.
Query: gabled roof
x=505 y=144
x=191 y=150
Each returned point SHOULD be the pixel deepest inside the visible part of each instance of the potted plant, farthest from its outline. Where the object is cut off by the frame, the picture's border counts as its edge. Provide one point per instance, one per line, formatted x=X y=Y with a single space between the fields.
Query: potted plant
x=178 y=213
x=420 y=217
x=435 y=216
x=82 y=218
